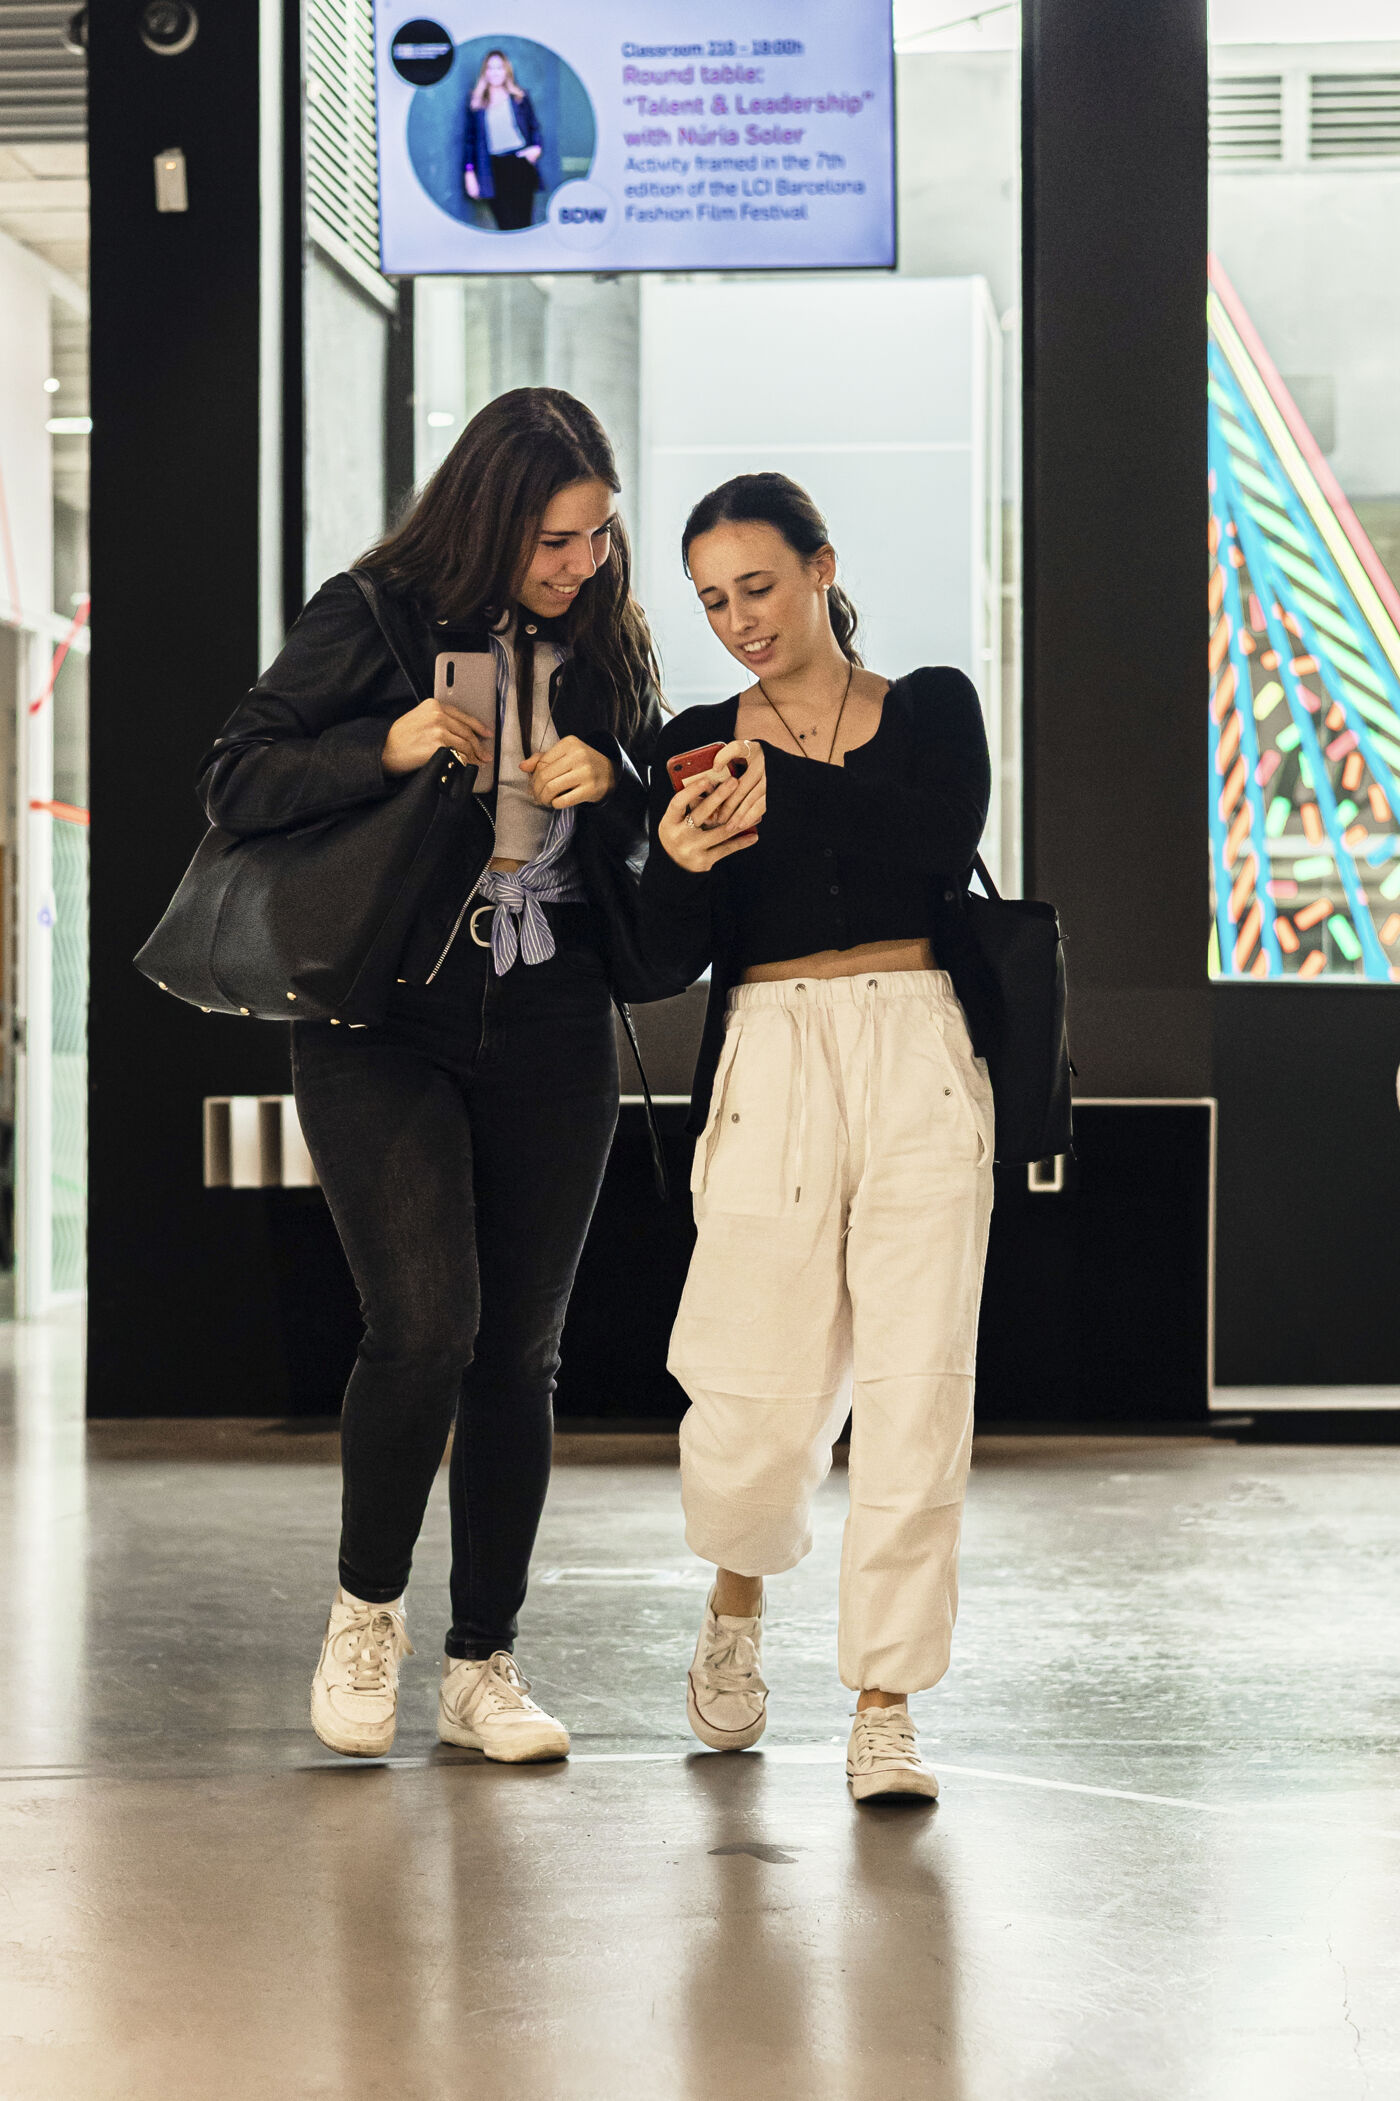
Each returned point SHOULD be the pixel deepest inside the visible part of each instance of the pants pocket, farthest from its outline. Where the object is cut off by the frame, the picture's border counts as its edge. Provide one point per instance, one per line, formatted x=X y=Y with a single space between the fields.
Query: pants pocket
x=951 y=1108
x=984 y=1103
x=971 y=1087
x=741 y=1158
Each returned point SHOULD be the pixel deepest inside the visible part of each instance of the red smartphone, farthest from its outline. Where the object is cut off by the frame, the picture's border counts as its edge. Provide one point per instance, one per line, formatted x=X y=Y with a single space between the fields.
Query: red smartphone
x=686 y=764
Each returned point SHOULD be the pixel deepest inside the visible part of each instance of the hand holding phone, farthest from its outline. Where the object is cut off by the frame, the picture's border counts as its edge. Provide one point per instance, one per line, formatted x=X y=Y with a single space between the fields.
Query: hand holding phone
x=461 y=718
x=710 y=816
x=686 y=764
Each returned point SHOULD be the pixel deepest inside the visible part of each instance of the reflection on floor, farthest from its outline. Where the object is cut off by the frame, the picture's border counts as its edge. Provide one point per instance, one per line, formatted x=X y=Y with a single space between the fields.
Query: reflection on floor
x=1163 y=1868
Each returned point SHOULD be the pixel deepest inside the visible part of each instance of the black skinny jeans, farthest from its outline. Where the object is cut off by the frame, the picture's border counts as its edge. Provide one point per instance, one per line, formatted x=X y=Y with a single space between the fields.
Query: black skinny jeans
x=461 y=1146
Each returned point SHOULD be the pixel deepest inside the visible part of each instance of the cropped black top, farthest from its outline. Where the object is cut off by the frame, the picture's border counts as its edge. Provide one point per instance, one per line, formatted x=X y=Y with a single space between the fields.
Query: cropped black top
x=877 y=849
x=819 y=889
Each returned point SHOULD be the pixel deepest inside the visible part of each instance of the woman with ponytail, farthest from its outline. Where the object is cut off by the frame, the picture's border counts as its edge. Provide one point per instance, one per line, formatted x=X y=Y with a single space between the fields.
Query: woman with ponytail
x=843 y=1164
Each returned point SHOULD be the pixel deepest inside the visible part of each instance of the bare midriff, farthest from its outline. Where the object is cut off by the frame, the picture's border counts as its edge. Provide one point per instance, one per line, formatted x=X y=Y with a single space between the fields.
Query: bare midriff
x=845 y=962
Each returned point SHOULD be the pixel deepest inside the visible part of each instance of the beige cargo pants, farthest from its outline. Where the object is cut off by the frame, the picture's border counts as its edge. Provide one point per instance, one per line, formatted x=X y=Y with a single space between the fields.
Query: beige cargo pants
x=843 y=1190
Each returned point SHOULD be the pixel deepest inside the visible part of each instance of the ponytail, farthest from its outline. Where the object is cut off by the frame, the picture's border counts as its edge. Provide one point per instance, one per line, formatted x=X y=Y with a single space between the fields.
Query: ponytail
x=844 y=621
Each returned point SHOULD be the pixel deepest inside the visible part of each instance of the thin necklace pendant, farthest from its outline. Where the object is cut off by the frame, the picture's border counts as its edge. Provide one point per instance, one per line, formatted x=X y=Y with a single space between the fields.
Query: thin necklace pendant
x=799 y=736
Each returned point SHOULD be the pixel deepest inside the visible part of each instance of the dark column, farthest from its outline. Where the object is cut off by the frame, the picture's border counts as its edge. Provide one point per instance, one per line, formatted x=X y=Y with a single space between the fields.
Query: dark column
x=183 y=1305
x=293 y=335
x=1115 y=168
x=399 y=415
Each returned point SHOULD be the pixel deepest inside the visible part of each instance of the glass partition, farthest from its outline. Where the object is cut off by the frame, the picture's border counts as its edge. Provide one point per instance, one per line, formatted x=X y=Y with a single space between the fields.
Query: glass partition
x=893 y=396
x=1304 y=415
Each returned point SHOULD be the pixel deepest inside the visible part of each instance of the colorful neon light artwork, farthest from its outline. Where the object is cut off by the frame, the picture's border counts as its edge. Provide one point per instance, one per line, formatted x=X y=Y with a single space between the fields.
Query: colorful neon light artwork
x=1305 y=690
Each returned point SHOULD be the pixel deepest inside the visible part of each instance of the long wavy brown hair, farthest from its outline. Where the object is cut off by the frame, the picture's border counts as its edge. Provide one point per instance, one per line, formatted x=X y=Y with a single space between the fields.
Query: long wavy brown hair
x=482 y=88
x=466 y=544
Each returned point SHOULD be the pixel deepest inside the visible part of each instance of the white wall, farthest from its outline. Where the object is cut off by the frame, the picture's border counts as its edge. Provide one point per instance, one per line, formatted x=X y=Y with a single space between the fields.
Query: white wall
x=346 y=338
x=872 y=392
x=960 y=195
x=25 y=445
x=26 y=466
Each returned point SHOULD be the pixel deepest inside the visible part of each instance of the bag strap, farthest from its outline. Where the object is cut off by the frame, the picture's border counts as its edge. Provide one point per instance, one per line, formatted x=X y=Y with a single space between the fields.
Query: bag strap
x=979 y=869
x=658 y=1157
x=369 y=591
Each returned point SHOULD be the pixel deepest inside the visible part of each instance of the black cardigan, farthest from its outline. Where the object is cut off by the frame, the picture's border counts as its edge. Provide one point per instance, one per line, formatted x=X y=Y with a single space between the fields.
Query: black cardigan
x=928 y=820
x=306 y=743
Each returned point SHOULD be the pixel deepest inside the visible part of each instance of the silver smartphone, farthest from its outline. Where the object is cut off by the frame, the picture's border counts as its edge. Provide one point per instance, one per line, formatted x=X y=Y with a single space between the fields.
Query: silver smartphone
x=466 y=680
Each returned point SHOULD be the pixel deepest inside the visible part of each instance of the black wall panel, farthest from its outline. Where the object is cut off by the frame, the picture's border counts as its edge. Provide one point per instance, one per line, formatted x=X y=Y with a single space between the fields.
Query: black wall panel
x=1116 y=237
x=1115 y=164
x=1309 y=1185
x=182 y=1291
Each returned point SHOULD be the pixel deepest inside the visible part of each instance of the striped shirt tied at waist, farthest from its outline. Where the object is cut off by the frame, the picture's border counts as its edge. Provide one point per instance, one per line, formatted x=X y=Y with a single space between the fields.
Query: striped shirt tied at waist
x=519 y=926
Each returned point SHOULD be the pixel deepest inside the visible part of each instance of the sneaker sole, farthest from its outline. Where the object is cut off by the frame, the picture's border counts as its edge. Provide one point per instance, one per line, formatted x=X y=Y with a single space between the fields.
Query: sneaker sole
x=720 y=1739
x=334 y=1734
x=913 y=1787
x=546 y=1749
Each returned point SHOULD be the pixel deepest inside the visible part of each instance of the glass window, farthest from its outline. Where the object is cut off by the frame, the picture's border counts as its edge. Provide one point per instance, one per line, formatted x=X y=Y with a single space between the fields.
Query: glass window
x=1304 y=417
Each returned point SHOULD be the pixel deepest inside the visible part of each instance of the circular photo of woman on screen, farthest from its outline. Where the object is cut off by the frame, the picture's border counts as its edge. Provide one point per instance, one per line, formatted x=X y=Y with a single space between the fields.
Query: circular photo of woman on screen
x=496 y=136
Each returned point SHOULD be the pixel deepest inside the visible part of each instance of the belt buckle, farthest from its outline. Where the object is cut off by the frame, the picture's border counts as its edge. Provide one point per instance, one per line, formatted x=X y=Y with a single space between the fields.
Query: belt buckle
x=471 y=925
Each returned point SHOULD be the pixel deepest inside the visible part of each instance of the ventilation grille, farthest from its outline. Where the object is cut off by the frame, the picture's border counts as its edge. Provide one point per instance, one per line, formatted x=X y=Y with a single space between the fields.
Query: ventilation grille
x=1354 y=114
x=43 y=86
x=1246 y=116
x=342 y=183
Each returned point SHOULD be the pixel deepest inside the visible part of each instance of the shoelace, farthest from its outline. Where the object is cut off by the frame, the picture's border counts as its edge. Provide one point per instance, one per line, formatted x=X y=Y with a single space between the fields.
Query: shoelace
x=371 y=1646
x=886 y=1735
x=733 y=1667
x=504 y=1686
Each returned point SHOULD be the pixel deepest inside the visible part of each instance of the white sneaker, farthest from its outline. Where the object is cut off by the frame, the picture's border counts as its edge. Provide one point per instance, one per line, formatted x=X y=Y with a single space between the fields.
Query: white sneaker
x=486 y=1706
x=355 y=1692
x=726 y=1700
x=882 y=1757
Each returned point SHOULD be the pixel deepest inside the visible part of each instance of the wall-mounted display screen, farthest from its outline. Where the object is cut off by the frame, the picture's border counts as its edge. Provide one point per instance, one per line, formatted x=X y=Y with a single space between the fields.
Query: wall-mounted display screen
x=542 y=135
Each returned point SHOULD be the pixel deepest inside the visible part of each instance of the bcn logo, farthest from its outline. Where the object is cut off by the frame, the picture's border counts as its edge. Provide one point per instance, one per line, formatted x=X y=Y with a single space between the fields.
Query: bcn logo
x=581 y=215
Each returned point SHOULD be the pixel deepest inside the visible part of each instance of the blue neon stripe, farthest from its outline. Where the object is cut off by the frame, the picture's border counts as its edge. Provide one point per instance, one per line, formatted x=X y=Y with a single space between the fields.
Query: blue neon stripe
x=1261 y=568
x=1363 y=635
x=1249 y=747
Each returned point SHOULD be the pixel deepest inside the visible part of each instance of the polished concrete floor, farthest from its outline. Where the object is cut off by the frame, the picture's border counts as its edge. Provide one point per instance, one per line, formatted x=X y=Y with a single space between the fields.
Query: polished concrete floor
x=1164 y=1867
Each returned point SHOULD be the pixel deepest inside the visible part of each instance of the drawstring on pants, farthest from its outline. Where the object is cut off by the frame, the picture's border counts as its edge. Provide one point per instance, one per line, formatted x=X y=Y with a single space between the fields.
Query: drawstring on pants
x=871 y=1018
x=800 y=1015
x=810 y=1008
x=799 y=1026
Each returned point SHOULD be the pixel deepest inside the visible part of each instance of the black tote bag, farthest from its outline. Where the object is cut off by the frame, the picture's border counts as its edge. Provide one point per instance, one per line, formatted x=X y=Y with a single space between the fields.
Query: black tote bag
x=309 y=924
x=1028 y=1056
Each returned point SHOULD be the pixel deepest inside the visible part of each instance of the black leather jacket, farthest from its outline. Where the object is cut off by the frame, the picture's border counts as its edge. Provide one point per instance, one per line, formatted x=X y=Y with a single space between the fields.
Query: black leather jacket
x=306 y=743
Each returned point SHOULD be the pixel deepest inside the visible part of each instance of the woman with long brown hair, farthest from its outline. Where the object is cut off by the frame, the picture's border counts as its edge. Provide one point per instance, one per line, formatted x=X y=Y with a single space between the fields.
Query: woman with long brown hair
x=503 y=145
x=461 y=1141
